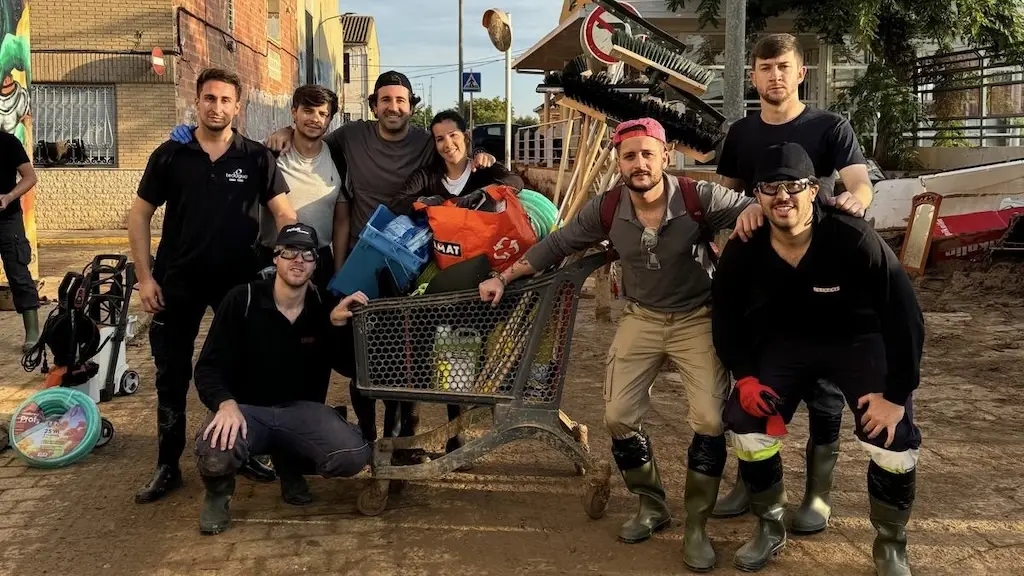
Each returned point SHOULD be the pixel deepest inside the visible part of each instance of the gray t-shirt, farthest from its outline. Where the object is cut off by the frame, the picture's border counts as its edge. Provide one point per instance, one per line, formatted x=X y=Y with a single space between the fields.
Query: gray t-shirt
x=376 y=168
x=315 y=185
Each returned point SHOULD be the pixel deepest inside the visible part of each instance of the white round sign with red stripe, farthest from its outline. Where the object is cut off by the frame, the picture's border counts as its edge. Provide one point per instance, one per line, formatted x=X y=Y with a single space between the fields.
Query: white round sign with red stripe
x=158 y=61
x=597 y=29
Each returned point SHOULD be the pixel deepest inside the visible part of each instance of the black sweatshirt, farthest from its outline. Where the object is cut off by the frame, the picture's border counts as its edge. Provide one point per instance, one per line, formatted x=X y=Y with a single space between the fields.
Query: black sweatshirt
x=429 y=181
x=848 y=284
x=255 y=356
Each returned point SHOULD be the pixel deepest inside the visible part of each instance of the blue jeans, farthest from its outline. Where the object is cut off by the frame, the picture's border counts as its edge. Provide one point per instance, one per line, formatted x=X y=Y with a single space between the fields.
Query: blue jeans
x=306 y=431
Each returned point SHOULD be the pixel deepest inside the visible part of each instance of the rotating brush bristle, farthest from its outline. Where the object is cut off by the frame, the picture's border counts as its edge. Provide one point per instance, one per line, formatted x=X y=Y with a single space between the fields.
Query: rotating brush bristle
x=663 y=56
x=577 y=66
x=690 y=129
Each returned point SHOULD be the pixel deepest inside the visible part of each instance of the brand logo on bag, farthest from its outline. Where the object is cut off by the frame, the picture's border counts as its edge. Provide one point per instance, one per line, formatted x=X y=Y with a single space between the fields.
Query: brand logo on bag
x=447 y=248
x=506 y=250
x=826 y=289
x=237 y=176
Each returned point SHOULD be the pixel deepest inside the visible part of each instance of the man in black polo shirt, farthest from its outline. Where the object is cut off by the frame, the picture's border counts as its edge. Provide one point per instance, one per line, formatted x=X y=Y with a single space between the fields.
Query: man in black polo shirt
x=264 y=372
x=210 y=187
x=777 y=70
x=818 y=294
x=15 y=250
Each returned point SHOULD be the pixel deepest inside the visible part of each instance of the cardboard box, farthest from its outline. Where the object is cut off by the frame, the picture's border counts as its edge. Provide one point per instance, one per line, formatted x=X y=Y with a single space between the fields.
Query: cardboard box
x=966 y=236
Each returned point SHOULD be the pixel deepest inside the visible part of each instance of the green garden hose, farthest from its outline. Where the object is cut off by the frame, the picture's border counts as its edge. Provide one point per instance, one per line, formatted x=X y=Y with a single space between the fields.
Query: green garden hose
x=542 y=212
x=55 y=427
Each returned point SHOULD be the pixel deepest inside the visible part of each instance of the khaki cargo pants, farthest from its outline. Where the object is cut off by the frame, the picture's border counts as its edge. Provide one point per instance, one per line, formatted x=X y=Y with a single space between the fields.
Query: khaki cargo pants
x=643 y=342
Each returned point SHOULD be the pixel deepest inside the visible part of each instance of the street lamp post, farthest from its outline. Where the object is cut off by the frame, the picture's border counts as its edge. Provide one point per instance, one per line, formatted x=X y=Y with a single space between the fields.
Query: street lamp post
x=499 y=29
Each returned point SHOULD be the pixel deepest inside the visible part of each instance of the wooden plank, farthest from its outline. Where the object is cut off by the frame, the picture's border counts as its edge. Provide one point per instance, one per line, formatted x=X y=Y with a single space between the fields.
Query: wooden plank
x=698 y=156
x=564 y=161
x=583 y=109
x=674 y=78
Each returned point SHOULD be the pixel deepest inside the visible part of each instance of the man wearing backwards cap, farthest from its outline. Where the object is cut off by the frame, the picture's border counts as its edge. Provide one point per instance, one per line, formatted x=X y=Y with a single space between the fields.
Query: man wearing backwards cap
x=379 y=156
x=817 y=294
x=264 y=372
x=667 y=318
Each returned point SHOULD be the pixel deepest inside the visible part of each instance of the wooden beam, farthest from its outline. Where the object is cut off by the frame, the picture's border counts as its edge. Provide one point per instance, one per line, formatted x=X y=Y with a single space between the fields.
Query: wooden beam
x=676 y=79
x=564 y=161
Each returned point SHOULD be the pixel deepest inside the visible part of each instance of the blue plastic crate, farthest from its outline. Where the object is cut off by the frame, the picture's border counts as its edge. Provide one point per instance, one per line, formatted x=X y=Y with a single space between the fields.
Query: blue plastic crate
x=359 y=273
x=411 y=250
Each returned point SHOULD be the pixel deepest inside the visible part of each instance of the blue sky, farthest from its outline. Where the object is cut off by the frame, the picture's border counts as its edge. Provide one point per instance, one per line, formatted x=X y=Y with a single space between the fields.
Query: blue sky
x=421 y=39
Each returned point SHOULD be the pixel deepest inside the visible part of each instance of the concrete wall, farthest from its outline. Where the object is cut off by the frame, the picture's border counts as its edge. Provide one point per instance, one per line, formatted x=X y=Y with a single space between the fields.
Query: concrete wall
x=87 y=199
x=934 y=158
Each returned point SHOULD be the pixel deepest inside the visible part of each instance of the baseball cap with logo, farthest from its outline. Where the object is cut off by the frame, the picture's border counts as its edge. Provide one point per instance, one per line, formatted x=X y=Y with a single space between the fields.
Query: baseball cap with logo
x=301 y=236
x=640 y=127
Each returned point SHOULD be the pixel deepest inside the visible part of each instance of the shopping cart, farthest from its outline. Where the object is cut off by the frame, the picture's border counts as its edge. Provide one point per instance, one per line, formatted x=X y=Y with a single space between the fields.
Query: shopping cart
x=507 y=361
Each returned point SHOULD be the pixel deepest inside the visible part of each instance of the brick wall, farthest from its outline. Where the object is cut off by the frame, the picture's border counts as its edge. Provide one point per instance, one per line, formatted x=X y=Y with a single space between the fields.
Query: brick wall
x=145 y=117
x=86 y=199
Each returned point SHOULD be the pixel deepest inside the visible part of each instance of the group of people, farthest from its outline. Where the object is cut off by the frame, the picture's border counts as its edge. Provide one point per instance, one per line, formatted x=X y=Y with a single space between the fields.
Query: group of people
x=805 y=303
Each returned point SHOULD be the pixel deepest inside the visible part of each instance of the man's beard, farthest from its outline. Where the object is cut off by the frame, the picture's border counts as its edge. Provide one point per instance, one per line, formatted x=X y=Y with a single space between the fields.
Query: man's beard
x=403 y=122
x=774 y=100
x=214 y=128
x=286 y=278
x=641 y=189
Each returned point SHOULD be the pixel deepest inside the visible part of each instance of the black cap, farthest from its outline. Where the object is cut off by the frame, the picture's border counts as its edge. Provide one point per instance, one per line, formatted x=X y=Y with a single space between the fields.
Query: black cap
x=786 y=161
x=392 y=78
x=299 y=236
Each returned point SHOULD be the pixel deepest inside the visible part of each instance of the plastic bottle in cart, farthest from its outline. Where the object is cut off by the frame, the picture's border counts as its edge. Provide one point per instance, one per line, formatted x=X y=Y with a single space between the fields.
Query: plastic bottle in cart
x=457 y=352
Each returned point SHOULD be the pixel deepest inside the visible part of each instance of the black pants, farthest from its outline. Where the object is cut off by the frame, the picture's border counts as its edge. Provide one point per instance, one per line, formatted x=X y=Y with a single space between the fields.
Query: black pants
x=16 y=254
x=324 y=265
x=856 y=368
x=311 y=435
x=172 y=338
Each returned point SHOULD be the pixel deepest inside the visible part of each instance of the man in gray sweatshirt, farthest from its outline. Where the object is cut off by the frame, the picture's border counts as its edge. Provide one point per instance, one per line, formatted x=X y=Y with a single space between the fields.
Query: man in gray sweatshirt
x=661 y=226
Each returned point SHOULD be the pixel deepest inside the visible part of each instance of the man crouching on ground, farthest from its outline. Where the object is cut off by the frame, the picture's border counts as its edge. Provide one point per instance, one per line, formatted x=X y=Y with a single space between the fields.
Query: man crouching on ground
x=264 y=372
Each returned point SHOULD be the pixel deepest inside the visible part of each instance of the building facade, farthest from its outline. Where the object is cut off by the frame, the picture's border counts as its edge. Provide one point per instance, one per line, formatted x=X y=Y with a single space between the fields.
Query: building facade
x=361 y=65
x=100 y=108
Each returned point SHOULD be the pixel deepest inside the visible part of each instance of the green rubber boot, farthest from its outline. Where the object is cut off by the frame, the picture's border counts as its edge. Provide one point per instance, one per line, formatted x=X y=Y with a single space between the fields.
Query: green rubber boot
x=699 y=498
x=769 y=535
x=816 y=508
x=215 y=517
x=30 y=318
x=890 y=547
x=653 y=514
x=735 y=503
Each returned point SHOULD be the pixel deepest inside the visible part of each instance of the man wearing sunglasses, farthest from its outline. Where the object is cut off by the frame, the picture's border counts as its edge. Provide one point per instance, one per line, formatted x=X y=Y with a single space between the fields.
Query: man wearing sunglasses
x=818 y=294
x=777 y=70
x=264 y=372
x=666 y=319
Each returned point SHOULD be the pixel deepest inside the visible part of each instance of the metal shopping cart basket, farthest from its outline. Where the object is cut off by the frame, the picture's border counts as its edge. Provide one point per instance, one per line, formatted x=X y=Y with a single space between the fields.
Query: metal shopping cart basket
x=508 y=361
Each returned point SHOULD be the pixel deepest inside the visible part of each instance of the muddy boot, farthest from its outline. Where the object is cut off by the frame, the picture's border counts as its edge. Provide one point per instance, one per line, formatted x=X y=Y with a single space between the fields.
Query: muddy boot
x=295 y=489
x=699 y=497
x=166 y=479
x=635 y=459
x=215 y=518
x=816 y=508
x=257 y=470
x=735 y=503
x=769 y=535
x=890 y=547
x=30 y=318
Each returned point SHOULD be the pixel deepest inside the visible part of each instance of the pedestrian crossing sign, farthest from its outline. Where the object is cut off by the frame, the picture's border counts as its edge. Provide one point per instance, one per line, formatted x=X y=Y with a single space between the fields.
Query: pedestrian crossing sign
x=471 y=81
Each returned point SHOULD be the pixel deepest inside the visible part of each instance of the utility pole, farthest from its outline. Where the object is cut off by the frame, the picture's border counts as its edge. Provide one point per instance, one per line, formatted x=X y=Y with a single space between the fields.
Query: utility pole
x=735 y=58
x=461 y=95
x=430 y=97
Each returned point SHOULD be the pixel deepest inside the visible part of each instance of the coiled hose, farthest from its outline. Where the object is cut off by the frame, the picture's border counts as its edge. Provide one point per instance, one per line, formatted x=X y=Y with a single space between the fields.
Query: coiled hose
x=59 y=449
x=542 y=212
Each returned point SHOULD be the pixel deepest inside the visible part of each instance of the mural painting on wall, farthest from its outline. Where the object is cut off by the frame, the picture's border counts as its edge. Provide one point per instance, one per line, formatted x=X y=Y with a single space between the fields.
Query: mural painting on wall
x=15 y=113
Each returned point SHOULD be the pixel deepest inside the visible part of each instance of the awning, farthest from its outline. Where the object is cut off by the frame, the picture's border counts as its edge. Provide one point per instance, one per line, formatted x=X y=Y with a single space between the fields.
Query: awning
x=554 y=51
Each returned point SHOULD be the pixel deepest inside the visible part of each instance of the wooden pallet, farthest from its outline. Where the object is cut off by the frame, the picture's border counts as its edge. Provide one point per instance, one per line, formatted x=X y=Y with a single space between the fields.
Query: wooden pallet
x=674 y=78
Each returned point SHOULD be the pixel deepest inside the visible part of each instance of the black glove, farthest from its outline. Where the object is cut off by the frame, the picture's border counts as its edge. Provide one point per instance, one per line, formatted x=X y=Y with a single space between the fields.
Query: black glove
x=472 y=200
x=431 y=200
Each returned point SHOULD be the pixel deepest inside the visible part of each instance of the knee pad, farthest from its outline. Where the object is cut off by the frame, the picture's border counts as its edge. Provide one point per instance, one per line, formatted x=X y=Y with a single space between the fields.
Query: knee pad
x=707 y=455
x=632 y=452
x=213 y=462
x=755 y=447
x=761 y=475
x=890 y=461
x=896 y=490
x=825 y=427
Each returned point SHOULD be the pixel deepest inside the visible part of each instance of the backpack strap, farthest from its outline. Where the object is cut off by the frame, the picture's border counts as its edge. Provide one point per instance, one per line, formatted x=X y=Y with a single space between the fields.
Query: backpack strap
x=609 y=206
x=691 y=198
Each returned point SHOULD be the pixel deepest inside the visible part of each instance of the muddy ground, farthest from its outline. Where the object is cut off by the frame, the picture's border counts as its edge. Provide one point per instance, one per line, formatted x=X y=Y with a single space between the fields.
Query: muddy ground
x=519 y=511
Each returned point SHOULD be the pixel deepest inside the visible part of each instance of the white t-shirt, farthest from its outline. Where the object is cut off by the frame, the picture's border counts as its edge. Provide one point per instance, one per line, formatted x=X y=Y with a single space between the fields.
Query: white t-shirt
x=315 y=190
x=455 y=187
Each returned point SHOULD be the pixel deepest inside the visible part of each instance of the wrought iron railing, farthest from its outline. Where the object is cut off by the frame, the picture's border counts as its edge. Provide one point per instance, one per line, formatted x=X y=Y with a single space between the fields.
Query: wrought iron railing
x=74 y=125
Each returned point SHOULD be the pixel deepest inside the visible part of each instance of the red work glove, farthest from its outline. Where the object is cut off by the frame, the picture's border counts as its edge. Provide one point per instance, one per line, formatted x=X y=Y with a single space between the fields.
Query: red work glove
x=761 y=401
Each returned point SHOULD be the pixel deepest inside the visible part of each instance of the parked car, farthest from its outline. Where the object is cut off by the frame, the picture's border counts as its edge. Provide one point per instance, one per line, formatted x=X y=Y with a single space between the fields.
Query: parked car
x=491 y=137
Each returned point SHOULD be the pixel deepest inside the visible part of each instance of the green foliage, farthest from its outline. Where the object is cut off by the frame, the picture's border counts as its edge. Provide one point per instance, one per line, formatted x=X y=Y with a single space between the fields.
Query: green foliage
x=525 y=120
x=422 y=116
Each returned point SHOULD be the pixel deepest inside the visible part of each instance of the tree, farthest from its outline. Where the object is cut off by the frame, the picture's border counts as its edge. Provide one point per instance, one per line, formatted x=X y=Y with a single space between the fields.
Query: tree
x=525 y=120
x=889 y=31
x=422 y=116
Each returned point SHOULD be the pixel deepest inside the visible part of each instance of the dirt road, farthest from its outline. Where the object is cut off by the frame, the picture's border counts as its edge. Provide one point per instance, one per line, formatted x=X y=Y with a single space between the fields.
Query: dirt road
x=518 y=511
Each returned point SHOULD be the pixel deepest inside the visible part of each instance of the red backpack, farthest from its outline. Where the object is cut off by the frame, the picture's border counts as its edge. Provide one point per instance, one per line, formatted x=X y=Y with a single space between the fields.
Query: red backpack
x=688 y=186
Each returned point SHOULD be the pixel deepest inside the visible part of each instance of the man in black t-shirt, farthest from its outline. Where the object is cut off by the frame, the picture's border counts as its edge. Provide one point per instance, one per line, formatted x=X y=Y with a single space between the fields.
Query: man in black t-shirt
x=210 y=188
x=829 y=140
x=15 y=250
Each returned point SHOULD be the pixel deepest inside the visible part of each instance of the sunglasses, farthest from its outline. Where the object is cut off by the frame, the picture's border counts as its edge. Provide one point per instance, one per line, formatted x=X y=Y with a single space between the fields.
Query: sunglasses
x=292 y=254
x=649 y=241
x=791 y=187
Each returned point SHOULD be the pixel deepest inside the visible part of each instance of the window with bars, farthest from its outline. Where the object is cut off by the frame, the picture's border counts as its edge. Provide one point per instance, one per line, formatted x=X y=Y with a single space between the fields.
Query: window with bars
x=74 y=125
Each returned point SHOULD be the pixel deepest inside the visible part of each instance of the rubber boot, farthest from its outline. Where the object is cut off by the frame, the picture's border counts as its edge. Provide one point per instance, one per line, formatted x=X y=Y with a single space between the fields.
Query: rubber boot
x=166 y=479
x=890 y=547
x=699 y=498
x=30 y=318
x=295 y=489
x=735 y=503
x=215 y=516
x=813 y=514
x=769 y=535
x=653 y=514
x=257 y=470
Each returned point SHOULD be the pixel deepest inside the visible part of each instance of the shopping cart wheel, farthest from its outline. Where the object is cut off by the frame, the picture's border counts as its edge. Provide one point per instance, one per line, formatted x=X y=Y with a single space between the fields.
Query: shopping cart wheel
x=595 y=500
x=130 y=382
x=373 y=499
x=106 y=433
